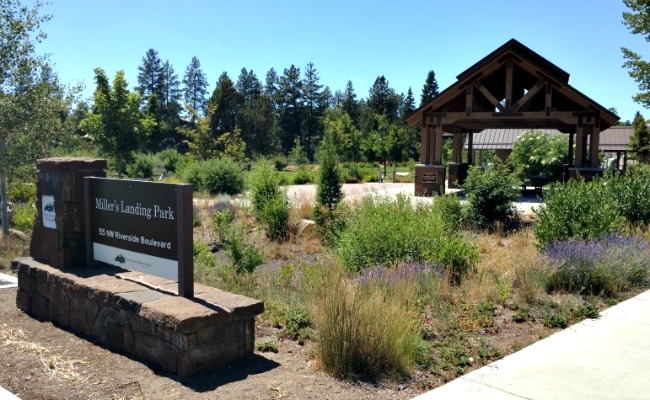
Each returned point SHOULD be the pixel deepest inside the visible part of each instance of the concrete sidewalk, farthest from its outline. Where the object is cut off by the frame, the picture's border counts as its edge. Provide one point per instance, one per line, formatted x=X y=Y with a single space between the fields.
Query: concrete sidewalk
x=607 y=358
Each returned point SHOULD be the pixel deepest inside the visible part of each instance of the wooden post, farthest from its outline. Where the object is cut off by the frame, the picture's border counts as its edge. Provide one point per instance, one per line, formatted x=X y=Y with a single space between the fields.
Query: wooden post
x=580 y=143
x=625 y=161
x=424 y=145
x=457 y=149
x=570 y=160
x=594 y=146
x=470 y=147
x=437 y=142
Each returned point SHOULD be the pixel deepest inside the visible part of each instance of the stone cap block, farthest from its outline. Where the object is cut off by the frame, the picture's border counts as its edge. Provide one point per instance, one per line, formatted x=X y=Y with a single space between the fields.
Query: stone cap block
x=70 y=164
x=132 y=291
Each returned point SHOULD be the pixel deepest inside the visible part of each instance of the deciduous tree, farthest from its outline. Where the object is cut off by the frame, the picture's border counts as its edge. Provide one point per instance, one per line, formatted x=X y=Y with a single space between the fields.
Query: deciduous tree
x=116 y=124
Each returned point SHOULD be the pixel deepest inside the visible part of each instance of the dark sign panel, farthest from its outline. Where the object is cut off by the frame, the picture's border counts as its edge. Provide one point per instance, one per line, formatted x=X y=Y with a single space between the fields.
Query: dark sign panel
x=141 y=226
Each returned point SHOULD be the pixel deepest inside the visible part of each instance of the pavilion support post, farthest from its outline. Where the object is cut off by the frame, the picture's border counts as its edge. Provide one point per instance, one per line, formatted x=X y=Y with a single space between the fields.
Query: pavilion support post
x=430 y=176
x=594 y=144
x=580 y=144
x=625 y=162
x=457 y=168
x=470 y=147
x=457 y=149
x=618 y=160
x=437 y=142
x=424 y=145
x=570 y=160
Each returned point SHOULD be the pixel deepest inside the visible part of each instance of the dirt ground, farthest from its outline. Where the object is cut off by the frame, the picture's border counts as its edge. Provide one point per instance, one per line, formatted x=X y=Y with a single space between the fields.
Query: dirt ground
x=39 y=360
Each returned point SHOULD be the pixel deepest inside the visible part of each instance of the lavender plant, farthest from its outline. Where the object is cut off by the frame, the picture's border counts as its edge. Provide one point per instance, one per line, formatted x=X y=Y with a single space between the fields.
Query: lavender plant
x=602 y=266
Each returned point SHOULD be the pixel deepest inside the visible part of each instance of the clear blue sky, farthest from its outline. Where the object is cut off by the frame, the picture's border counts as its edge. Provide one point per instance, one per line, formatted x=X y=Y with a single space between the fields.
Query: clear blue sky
x=354 y=40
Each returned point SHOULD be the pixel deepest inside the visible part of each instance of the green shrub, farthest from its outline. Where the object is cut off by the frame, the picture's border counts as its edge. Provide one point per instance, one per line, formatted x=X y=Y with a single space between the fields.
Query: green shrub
x=23 y=218
x=222 y=223
x=554 y=320
x=450 y=209
x=141 y=167
x=217 y=176
x=267 y=346
x=381 y=231
x=302 y=177
x=245 y=257
x=280 y=162
x=298 y=155
x=22 y=193
x=490 y=194
x=631 y=193
x=577 y=210
x=539 y=153
x=276 y=215
x=363 y=334
x=203 y=257
x=171 y=159
x=297 y=324
x=270 y=203
x=352 y=173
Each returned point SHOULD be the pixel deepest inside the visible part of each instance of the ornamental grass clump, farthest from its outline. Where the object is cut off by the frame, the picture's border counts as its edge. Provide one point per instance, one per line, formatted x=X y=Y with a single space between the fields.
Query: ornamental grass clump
x=364 y=332
x=603 y=266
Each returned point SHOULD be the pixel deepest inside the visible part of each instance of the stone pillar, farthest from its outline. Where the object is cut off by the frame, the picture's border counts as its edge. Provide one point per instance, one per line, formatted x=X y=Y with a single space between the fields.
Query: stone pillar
x=58 y=237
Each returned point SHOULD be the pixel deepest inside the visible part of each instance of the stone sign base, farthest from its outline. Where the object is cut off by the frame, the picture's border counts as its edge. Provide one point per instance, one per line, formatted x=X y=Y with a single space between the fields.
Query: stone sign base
x=457 y=174
x=138 y=315
x=429 y=179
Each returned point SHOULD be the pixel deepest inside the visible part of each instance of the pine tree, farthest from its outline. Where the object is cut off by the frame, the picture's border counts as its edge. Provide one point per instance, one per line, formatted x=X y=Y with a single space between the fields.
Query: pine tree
x=383 y=100
x=430 y=88
x=313 y=111
x=290 y=106
x=195 y=86
x=171 y=95
x=271 y=88
x=408 y=105
x=349 y=103
x=640 y=140
x=227 y=103
x=329 y=193
x=259 y=127
x=150 y=76
x=248 y=85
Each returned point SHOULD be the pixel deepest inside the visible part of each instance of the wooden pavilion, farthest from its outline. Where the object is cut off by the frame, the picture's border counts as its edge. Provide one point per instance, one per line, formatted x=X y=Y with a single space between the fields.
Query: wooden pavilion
x=512 y=87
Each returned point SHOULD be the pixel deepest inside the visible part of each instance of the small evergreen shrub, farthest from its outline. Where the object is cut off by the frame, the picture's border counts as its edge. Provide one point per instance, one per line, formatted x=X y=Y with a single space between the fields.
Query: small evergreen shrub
x=490 y=194
x=450 y=209
x=577 y=210
x=141 y=167
x=276 y=215
x=267 y=346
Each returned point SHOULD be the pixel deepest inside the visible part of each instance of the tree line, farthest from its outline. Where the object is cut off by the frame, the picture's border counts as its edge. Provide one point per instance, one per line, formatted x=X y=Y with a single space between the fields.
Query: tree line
x=248 y=117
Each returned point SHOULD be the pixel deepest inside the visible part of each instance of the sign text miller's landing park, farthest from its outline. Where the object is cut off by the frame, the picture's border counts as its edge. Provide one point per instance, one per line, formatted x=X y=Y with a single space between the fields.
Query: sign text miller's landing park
x=141 y=226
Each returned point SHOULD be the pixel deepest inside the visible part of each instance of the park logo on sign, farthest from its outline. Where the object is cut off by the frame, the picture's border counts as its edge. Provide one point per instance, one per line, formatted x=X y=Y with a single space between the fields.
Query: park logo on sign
x=47 y=210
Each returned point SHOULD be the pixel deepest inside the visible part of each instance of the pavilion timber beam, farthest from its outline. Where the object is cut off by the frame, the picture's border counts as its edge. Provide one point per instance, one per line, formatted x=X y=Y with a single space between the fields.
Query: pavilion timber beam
x=529 y=95
x=559 y=115
x=488 y=95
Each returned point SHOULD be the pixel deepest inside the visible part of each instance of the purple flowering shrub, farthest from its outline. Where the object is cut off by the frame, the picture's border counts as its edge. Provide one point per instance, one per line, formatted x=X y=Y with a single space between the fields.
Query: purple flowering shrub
x=602 y=266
